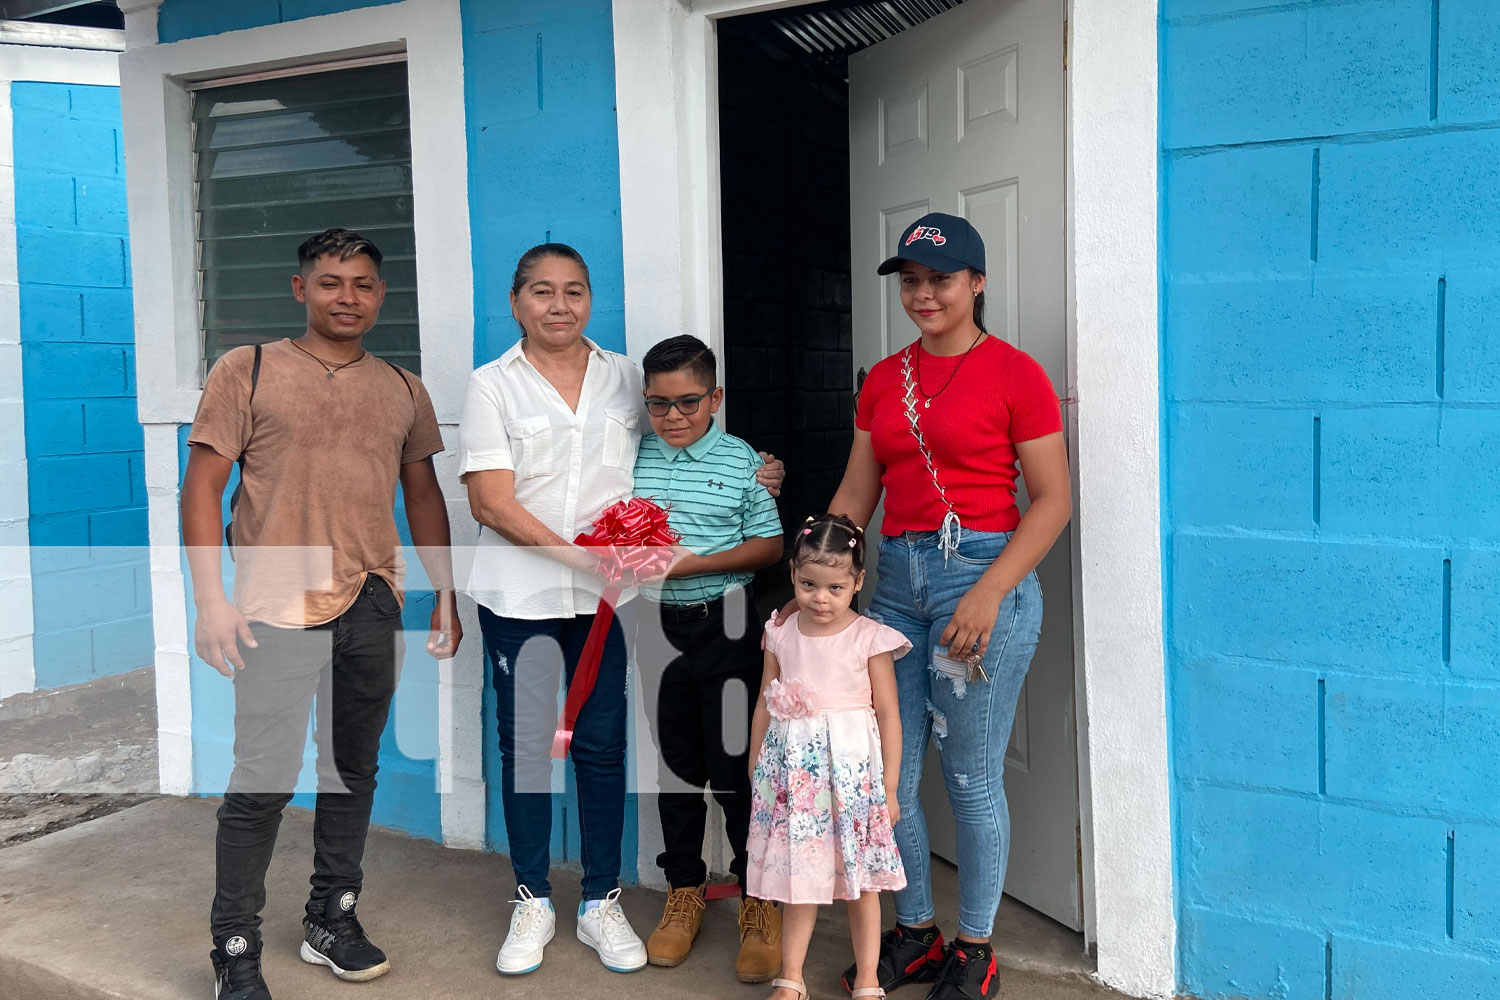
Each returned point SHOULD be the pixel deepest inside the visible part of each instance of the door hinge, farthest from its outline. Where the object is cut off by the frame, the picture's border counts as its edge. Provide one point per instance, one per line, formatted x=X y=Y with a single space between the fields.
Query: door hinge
x=1065 y=45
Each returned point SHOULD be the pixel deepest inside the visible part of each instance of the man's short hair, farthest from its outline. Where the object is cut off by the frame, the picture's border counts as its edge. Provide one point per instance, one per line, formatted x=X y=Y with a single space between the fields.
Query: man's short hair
x=340 y=243
x=685 y=353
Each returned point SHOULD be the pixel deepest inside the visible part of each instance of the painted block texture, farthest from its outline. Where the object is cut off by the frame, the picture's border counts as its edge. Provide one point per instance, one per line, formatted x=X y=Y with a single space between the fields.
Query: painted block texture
x=1407 y=201
x=544 y=155
x=1339 y=339
x=1263 y=461
x=1316 y=70
x=1264 y=723
x=1476 y=885
x=1364 y=606
x=1469 y=65
x=1427 y=746
x=1331 y=368
x=1239 y=212
x=1295 y=859
x=1363 y=968
x=1476 y=596
x=1235 y=956
x=179 y=19
x=84 y=450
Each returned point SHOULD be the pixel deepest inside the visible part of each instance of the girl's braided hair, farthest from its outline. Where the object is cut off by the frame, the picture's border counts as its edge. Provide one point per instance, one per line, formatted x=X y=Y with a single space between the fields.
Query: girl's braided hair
x=829 y=539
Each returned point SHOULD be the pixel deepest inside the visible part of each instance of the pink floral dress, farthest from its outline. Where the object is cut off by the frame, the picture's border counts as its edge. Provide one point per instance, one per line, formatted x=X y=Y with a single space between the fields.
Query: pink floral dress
x=819 y=827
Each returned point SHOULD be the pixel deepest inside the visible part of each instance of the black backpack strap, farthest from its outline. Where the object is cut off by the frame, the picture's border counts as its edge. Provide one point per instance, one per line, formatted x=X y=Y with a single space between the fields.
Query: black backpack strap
x=254 y=381
x=255 y=373
x=404 y=380
x=234 y=498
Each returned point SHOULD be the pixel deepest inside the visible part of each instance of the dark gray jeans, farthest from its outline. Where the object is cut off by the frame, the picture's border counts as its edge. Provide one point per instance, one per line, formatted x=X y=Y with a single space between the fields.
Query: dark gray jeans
x=349 y=666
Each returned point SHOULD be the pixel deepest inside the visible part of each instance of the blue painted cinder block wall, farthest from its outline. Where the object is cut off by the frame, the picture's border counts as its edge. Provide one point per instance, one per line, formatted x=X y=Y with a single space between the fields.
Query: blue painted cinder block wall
x=543 y=165
x=544 y=154
x=90 y=574
x=1331 y=369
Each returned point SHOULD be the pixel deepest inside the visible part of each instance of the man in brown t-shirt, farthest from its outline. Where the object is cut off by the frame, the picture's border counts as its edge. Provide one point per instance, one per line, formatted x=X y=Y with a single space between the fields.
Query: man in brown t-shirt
x=323 y=431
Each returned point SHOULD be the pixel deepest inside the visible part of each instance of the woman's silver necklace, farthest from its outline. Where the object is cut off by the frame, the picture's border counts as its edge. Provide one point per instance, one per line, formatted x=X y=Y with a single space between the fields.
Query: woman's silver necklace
x=917 y=353
x=329 y=368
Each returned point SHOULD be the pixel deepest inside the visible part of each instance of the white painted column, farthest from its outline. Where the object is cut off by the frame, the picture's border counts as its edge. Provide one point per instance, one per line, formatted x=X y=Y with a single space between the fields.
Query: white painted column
x=174 y=694
x=462 y=725
x=17 y=657
x=140 y=21
x=1113 y=165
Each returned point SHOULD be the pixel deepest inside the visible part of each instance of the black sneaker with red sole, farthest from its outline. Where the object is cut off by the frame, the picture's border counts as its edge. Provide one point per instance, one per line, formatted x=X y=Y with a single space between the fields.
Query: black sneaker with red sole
x=906 y=956
x=968 y=973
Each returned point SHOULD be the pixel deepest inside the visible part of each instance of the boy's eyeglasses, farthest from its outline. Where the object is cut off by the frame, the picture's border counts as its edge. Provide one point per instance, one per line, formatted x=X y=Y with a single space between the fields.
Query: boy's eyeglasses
x=686 y=405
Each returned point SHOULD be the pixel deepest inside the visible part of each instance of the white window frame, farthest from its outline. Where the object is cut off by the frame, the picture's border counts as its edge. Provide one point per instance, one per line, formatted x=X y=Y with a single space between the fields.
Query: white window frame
x=155 y=80
x=666 y=93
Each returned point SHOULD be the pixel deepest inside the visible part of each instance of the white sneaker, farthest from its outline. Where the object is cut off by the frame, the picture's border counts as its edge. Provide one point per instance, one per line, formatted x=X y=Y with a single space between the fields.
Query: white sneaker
x=532 y=924
x=605 y=929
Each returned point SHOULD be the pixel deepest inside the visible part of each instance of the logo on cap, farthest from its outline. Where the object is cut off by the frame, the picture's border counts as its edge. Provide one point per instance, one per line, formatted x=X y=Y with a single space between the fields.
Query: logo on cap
x=346 y=902
x=235 y=946
x=926 y=233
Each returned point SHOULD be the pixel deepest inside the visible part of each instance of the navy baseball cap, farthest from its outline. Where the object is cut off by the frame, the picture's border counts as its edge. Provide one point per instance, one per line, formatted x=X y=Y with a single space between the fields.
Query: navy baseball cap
x=942 y=242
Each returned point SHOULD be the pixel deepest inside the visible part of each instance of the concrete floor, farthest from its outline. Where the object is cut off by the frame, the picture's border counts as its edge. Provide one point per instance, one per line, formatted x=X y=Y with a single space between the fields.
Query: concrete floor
x=118 y=908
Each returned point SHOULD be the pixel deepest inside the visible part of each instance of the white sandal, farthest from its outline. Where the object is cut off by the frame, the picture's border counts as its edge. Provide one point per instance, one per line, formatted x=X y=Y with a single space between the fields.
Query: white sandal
x=788 y=984
x=867 y=991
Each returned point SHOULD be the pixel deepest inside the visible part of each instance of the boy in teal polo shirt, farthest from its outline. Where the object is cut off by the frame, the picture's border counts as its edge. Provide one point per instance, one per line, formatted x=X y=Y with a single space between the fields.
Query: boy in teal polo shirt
x=729 y=528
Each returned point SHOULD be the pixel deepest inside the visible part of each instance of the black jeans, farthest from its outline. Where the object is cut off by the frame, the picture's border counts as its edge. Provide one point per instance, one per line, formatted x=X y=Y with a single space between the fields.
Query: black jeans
x=703 y=743
x=350 y=664
x=529 y=658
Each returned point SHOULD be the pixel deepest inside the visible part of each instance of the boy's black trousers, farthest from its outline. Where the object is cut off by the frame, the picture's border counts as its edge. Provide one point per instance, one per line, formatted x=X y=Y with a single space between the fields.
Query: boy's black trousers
x=703 y=685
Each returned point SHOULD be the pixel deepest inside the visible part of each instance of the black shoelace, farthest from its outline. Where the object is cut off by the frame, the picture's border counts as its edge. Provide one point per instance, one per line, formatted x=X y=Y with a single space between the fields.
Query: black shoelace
x=346 y=927
x=955 y=971
x=242 y=971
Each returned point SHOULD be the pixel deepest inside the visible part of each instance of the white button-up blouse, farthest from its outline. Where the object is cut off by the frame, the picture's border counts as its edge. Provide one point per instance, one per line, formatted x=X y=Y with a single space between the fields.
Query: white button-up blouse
x=568 y=466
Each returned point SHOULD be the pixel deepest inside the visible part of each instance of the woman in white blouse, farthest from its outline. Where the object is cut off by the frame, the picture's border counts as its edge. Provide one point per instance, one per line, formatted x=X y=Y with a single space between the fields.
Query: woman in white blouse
x=548 y=440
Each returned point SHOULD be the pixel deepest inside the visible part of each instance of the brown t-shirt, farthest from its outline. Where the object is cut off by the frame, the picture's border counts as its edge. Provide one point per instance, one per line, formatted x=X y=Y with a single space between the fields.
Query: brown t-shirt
x=322 y=457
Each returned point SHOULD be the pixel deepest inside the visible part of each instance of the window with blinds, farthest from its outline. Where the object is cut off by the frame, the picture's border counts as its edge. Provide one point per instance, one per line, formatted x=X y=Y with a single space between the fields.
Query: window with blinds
x=281 y=159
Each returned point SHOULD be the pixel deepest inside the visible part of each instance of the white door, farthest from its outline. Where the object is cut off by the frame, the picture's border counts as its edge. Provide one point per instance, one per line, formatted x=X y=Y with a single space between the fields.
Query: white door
x=964 y=114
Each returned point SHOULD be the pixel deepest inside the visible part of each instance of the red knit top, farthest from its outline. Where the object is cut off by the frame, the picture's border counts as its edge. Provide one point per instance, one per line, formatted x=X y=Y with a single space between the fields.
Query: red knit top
x=999 y=397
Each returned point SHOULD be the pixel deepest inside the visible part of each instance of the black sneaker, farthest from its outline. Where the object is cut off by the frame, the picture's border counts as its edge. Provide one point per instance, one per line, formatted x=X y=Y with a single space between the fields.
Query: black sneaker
x=906 y=956
x=968 y=973
x=338 y=941
x=237 y=970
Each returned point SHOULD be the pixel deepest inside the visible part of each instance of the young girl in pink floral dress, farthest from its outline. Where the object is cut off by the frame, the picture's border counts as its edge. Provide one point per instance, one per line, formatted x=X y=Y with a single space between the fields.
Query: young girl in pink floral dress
x=824 y=783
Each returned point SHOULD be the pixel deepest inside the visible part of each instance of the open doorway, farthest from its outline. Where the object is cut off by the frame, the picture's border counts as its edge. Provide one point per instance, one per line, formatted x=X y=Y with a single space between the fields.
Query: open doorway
x=784 y=150
x=817 y=177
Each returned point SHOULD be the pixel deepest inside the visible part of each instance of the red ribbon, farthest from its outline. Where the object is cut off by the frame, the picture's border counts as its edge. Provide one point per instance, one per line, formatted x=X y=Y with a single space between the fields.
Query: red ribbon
x=635 y=537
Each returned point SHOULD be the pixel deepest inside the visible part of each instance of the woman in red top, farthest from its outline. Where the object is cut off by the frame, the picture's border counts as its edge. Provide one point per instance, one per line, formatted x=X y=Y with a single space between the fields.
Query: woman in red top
x=941 y=429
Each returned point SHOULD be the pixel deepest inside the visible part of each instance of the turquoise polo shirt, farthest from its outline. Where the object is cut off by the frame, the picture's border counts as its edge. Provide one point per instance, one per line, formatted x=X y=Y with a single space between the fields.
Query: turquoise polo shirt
x=713 y=501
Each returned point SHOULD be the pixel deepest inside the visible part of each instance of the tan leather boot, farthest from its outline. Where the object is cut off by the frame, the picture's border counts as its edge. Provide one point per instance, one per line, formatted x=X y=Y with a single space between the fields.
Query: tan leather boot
x=673 y=938
x=759 y=959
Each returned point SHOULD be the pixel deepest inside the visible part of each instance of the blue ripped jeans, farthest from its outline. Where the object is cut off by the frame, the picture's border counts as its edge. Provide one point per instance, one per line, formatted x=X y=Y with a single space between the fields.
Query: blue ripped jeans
x=970 y=722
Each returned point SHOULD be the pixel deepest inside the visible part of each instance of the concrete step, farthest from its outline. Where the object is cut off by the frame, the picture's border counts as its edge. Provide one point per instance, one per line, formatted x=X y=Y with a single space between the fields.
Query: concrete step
x=117 y=909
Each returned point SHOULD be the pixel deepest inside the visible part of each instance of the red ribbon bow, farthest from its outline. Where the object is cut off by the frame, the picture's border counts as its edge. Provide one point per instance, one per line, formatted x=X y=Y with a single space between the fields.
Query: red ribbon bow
x=635 y=538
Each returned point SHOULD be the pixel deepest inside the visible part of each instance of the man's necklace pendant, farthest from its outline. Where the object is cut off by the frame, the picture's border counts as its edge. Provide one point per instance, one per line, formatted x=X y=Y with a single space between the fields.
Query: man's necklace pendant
x=330 y=376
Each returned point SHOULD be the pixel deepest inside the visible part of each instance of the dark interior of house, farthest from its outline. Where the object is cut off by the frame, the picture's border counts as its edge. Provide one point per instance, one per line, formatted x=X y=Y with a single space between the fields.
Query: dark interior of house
x=784 y=178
